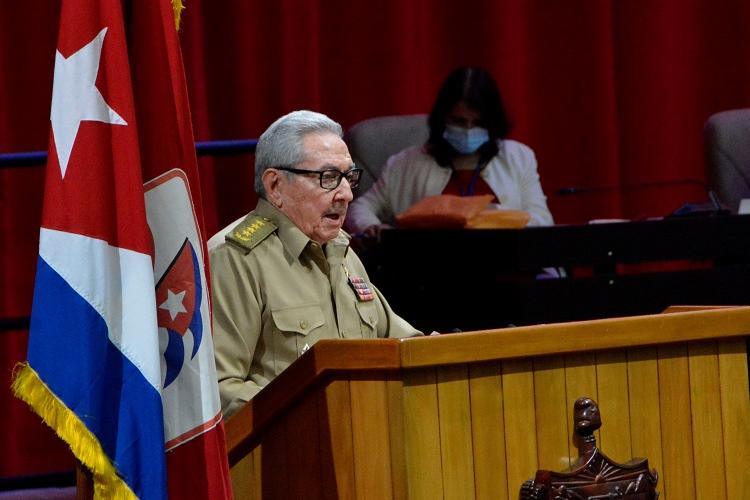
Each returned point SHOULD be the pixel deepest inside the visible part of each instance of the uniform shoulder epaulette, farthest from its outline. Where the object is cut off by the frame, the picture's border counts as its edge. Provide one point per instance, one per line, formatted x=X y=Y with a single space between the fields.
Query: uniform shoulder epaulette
x=249 y=233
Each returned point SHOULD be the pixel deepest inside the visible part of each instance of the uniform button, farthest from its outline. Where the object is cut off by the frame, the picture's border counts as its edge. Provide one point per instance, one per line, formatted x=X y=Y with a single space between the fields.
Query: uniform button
x=303 y=324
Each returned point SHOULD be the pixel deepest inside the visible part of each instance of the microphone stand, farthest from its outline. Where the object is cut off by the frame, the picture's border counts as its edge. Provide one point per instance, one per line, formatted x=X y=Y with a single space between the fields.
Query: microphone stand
x=713 y=208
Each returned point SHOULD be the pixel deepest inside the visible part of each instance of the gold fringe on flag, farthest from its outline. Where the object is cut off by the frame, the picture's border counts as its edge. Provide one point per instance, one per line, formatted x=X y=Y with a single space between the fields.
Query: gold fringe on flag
x=177 y=7
x=28 y=387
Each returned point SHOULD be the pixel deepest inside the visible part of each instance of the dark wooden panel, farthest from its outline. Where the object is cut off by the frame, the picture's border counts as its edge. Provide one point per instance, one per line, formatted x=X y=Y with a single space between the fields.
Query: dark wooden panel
x=477 y=279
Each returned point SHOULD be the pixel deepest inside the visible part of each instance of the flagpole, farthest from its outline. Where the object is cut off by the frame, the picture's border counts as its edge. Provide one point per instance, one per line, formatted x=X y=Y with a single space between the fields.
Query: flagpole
x=84 y=482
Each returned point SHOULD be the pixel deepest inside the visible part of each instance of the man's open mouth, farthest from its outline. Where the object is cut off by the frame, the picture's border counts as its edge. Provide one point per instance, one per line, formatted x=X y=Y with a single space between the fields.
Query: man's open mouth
x=334 y=216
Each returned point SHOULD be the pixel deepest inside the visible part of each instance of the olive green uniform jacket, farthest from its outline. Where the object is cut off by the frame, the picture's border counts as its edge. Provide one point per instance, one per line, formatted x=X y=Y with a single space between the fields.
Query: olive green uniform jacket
x=276 y=293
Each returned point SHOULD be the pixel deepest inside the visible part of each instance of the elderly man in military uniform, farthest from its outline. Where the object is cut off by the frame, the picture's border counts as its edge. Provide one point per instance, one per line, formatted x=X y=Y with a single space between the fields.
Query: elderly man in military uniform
x=284 y=277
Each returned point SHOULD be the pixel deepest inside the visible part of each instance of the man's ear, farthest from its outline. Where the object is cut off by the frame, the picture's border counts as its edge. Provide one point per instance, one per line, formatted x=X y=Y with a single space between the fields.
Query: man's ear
x=272 y=184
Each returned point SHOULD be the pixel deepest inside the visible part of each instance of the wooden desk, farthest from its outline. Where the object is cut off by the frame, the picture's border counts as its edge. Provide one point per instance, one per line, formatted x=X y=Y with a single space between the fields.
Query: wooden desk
x=473 y=415
x=475 y=279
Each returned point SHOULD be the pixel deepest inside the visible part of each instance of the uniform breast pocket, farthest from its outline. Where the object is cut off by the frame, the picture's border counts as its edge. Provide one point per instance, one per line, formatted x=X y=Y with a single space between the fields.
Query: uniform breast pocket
x=368 y=318
x=297 y=327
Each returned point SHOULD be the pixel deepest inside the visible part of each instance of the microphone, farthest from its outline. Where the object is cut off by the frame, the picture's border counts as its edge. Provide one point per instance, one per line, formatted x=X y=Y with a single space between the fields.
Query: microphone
x=712 y=208
x=575 y=190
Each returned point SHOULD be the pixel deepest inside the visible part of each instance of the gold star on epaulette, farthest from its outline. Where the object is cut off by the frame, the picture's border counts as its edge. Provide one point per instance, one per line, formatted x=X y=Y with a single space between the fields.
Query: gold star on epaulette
x=250 y=232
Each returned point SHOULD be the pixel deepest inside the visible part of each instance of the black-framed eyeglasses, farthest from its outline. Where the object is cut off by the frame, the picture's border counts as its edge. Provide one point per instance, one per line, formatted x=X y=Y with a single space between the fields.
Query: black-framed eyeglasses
x=330 y=178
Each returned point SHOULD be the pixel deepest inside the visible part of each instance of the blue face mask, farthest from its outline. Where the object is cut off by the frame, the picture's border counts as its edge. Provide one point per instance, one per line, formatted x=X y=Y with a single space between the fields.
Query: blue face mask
x=466 y=140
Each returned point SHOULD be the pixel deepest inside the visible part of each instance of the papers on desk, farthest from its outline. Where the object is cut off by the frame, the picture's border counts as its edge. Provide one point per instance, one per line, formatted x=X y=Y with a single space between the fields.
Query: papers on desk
x=449 y=211
x=607 y=221
x=498 y=219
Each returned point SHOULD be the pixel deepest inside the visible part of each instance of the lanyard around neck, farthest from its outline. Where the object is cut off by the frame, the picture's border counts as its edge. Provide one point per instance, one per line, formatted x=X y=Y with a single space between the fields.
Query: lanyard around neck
x=469 y=191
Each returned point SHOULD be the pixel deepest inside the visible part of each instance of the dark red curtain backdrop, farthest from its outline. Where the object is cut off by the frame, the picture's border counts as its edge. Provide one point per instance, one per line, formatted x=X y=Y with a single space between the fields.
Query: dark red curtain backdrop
x=607 y=92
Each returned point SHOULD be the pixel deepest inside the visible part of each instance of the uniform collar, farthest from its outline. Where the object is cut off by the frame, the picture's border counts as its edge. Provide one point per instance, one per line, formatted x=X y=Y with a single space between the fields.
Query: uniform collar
x=294 y=240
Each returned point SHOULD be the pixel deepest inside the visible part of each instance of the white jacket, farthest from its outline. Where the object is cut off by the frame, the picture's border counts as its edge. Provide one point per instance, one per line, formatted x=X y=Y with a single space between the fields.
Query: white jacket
x=413 y=174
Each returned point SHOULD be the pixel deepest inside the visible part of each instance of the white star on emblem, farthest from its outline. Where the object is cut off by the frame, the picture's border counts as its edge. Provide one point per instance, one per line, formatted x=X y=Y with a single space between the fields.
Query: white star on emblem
x=173 y=304
x=75 y=97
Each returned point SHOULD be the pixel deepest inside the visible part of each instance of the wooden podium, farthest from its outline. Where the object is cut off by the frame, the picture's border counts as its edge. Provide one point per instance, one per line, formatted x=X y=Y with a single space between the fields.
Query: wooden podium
x=473 y=415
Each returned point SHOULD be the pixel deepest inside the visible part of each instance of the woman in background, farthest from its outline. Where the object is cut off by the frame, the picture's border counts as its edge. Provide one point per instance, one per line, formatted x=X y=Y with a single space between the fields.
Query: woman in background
x=467 y=153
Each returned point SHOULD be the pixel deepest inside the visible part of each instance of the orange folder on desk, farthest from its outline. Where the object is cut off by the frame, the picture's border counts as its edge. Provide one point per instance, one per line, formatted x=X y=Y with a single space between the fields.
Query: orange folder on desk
x=448 y=211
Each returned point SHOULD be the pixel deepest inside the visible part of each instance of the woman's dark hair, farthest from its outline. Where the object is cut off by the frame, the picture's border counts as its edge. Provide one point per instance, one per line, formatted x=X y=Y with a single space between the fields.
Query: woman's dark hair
x=478 y=90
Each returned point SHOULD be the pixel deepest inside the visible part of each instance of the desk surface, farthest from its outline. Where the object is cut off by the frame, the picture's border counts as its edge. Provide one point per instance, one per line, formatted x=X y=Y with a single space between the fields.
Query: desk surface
x=469 y=279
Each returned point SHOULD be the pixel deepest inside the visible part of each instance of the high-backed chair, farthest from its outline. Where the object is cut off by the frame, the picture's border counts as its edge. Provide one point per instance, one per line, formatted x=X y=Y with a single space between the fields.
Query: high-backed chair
x=727 y=140
x=371 y=142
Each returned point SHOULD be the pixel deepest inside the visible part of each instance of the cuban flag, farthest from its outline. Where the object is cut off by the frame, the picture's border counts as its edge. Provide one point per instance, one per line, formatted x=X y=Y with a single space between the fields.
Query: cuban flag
x=120 y=356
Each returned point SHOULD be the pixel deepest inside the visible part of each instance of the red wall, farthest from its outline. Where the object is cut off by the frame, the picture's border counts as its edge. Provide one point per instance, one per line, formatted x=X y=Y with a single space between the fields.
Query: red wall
x=607 y=92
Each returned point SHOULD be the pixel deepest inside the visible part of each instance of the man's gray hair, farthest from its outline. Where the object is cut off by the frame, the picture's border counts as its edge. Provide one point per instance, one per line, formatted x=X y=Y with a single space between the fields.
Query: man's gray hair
x=281 y=144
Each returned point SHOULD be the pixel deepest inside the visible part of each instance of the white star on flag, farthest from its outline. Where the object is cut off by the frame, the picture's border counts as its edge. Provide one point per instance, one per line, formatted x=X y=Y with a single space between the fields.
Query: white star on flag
x=173 y=304
x=75 y=97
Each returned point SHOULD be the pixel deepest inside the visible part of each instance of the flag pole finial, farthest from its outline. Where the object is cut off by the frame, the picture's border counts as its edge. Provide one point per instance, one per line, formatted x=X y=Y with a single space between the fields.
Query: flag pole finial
x=177 y=6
